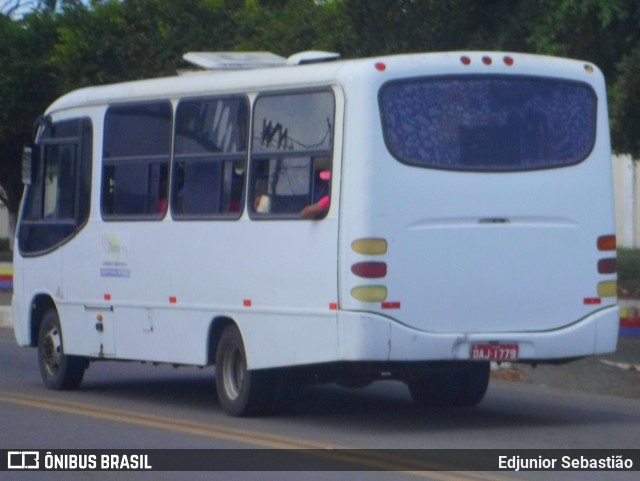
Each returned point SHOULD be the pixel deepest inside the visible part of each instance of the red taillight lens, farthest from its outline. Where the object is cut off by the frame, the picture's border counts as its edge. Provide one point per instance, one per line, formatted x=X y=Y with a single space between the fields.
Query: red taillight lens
x=370 y=270
x=486 y=60
x=380 y=66
x=508 y=61
x=465 y=60
x=607 y=266
x=607 y=243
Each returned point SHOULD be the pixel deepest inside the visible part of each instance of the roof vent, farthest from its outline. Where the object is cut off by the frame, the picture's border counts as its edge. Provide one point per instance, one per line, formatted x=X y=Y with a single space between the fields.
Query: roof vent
x=312 y=56
x=234 y=60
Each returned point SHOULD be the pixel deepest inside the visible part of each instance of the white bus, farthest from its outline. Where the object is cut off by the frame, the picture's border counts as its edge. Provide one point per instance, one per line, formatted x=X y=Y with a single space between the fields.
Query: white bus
x=408 y=217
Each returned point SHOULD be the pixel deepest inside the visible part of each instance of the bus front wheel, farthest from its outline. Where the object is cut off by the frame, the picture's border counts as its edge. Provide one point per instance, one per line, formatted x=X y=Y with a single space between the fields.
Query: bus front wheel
x=241 y=392
x=456 y=385
x=59 y=371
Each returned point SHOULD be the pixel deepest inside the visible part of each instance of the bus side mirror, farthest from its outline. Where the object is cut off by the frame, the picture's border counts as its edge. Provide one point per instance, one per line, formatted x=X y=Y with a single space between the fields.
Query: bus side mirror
x=27 y=165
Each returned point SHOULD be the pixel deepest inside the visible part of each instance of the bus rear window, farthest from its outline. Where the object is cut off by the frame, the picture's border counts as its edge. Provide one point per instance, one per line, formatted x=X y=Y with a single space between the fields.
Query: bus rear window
x=488 y=123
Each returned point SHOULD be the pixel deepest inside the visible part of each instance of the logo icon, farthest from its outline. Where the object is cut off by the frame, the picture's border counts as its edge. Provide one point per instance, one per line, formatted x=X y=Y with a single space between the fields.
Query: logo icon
x=23 y=460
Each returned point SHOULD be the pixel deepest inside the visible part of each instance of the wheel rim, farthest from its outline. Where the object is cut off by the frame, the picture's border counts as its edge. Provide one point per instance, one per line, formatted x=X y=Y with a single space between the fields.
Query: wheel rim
x=52 y=351
x=233 y=371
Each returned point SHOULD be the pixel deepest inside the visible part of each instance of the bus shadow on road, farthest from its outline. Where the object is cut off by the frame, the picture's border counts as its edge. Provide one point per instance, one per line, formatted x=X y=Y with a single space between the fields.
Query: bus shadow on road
x=381 y=407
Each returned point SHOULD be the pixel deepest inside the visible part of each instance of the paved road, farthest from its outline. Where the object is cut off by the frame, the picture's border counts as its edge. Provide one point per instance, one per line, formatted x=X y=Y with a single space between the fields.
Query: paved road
x=130 y=405
x=5 y=298
x=616 y=374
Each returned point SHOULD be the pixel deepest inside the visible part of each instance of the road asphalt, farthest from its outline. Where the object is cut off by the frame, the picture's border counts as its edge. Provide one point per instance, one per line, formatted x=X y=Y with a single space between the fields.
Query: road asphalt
x=615 y=374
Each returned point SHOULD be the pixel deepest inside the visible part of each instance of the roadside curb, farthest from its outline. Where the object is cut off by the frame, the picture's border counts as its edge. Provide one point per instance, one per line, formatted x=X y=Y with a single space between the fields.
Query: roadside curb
x=629 y=317
x=6 y=319
x=6 y=275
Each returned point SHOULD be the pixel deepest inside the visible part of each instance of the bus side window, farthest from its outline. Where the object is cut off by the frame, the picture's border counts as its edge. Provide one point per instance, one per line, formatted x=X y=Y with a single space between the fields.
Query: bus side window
x=292 y=144
x=137 y=145
x=210 y=149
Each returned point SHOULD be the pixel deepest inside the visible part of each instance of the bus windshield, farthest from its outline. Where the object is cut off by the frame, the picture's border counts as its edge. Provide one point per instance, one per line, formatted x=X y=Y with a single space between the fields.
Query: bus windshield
x=488 y=123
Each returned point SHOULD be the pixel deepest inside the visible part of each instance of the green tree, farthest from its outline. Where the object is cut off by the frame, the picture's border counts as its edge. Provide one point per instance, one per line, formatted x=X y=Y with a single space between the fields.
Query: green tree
x=111 y=40
x=289 y=26
x=25 y=90
x=625 y=106
x=396 y=26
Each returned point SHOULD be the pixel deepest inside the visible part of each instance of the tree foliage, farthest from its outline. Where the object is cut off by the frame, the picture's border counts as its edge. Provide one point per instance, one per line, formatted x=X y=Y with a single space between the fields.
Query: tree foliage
x=48 y=47
x=26 y=87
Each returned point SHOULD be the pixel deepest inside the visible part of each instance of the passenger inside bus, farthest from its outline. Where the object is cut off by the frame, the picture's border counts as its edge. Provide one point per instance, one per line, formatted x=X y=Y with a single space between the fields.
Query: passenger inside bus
x=320 y=197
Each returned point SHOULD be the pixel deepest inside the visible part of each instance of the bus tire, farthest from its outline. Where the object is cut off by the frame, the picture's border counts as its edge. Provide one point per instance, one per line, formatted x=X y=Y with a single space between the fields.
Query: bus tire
x=241 y=392
x=455 y=386
x=59 y=371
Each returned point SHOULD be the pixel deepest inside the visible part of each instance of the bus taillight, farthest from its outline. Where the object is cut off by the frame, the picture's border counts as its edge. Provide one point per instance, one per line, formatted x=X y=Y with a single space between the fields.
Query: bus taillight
x=370 y=246
x=607 y=266
x=607 y=243
x=608 y=289
x=369 y=293
x=370 y=270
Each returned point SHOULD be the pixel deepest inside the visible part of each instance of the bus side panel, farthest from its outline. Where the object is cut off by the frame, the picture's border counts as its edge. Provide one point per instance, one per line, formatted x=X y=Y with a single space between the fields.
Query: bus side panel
x=289 y=339
x=20 y=311
x=40 y=276
x=364 y=337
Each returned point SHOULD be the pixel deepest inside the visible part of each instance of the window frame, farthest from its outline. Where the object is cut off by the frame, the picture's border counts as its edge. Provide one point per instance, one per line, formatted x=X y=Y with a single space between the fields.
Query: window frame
x=219 y=158
x=148 y=160
x=311 y=154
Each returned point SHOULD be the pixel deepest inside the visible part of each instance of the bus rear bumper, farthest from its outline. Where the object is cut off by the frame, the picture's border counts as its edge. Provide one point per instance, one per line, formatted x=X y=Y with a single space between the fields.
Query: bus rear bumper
x=376 y=338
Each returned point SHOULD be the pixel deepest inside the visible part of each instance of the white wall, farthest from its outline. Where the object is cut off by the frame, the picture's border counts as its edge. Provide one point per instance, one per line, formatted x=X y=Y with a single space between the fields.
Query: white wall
x=626 y=178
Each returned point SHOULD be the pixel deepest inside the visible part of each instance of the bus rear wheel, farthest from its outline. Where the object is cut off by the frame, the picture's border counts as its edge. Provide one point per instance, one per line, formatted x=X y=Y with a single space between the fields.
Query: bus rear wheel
x=241 y=392
x=59 y=371
x=456 y=385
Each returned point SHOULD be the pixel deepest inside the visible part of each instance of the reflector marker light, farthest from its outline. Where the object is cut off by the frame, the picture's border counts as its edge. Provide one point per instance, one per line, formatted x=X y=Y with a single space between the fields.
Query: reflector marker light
x=370 y=270
x=370 y=247
x=592 y=300
x=173 y=299
x=380 y=66
x=508 y=61
x=107 y=297
x=246 y=302
x=486 y=60
x=607 y=243
x=333 y=306
x=608 y=289
x=607 y=266
x=391 y=305
x=369 y=293
x=465 y=60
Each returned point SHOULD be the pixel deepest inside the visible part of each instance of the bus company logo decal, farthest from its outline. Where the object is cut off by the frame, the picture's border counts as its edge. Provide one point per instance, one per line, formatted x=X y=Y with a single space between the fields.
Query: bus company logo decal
x=115 y=263
x=112 y=245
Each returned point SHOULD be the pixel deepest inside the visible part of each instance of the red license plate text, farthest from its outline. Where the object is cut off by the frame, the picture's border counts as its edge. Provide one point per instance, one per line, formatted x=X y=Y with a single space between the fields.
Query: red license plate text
x=494 y=352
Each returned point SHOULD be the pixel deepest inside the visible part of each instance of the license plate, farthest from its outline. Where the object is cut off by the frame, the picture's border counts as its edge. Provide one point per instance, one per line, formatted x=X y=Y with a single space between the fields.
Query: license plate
x=494 y=352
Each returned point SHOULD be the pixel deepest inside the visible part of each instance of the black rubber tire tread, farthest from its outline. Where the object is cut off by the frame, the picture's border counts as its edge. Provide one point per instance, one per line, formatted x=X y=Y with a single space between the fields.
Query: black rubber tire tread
x=69 y=371
x=454 y=386
x=255 y=395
